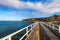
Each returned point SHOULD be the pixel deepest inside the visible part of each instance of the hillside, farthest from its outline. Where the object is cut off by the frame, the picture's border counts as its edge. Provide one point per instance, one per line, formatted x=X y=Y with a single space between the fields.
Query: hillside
x=55 y=19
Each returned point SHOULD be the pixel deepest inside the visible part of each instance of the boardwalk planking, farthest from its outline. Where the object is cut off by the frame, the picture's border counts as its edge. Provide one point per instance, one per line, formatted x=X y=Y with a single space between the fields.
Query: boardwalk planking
x=34 y=35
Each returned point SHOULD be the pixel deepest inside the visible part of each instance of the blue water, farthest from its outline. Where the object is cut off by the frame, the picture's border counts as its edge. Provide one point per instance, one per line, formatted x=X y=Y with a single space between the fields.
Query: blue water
x=8 y=27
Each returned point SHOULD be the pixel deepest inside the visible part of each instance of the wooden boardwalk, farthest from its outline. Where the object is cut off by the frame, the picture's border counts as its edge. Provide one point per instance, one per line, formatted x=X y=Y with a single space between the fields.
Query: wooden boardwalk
x=34 y=35
x=41 y=32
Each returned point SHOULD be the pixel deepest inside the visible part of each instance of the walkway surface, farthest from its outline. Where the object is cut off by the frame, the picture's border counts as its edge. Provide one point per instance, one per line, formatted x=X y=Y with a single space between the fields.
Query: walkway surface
x=41 y=32
x=46 y=34
x=34 y=35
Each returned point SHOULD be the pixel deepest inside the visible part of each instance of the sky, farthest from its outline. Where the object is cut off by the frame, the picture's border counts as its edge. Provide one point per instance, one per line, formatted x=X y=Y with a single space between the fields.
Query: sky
x=23 y=9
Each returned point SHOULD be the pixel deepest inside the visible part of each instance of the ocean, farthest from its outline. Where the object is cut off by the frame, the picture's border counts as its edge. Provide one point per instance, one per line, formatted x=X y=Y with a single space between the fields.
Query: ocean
x=8 y=27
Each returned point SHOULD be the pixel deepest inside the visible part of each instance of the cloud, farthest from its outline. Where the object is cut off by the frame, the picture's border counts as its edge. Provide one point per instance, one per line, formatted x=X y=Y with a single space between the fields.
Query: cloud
x=49 y=7
x=11 y=12
x=12 y=3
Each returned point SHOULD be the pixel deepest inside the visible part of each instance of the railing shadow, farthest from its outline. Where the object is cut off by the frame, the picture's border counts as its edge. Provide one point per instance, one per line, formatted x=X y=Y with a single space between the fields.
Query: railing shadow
x=54 y=31
x=43 y=34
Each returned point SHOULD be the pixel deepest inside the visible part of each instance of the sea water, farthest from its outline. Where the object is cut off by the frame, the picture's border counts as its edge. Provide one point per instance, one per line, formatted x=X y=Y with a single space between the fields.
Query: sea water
x=8 y=27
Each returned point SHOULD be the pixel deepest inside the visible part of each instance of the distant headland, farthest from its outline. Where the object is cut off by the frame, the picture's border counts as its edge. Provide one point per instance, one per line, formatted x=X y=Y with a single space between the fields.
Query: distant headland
x=55 y=19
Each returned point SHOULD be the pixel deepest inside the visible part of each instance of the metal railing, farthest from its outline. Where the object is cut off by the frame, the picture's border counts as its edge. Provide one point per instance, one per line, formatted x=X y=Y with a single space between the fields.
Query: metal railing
x=52 y=26
x=8 y=37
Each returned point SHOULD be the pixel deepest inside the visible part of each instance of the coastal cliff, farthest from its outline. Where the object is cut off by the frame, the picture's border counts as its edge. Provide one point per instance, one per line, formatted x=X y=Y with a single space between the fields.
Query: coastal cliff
x=52 y=19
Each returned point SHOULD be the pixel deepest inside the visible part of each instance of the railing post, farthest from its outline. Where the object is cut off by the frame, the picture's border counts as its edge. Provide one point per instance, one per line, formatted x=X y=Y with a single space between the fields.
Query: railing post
x=49 y=26
x=9 y=38
x=59 y=29
x=31 y=27
x=53 y=26
x=27 y=30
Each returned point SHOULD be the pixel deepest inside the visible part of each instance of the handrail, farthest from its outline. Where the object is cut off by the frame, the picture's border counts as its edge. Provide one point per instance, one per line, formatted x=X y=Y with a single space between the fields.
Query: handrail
x=52 y=26
x=8 y=37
